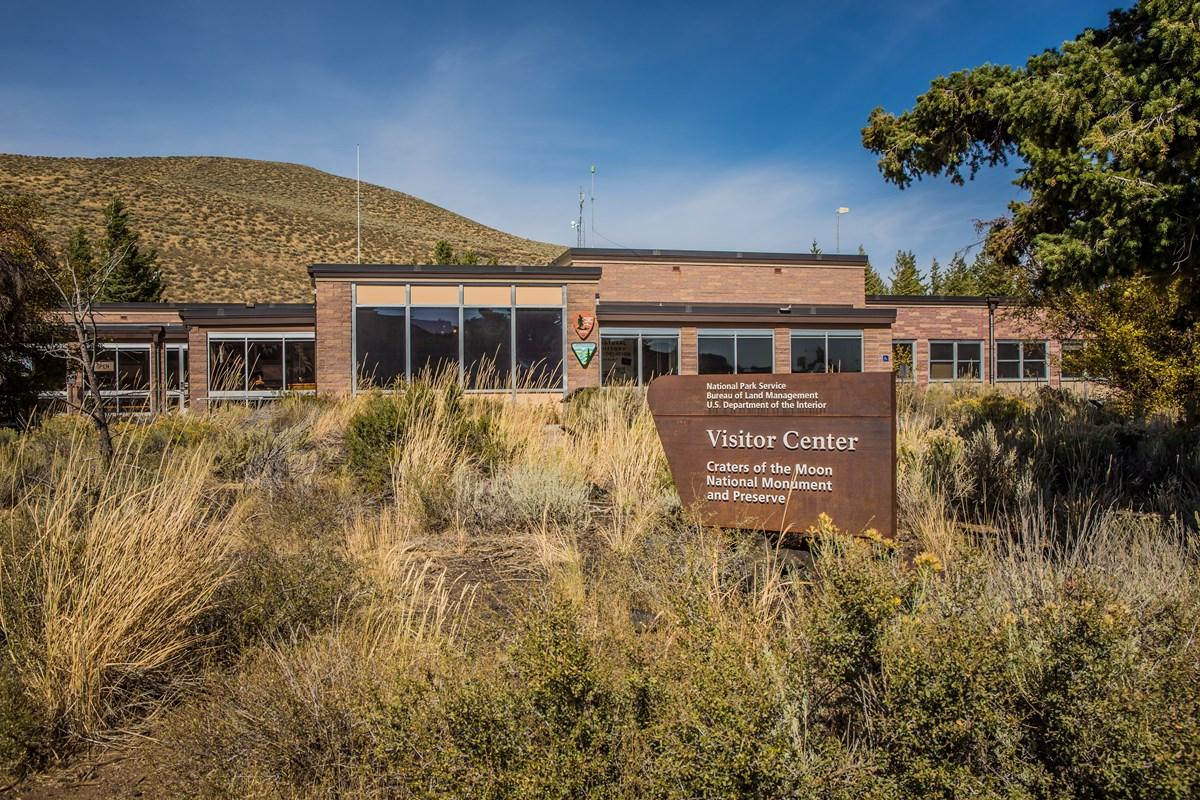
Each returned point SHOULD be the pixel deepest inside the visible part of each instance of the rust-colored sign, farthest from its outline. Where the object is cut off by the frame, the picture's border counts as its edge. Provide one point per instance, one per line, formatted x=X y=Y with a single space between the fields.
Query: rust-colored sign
x=584 y=324
x=772 y=452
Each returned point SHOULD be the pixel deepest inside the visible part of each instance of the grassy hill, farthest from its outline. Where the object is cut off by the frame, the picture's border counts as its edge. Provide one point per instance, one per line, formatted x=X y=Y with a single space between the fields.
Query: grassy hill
x=230 y=229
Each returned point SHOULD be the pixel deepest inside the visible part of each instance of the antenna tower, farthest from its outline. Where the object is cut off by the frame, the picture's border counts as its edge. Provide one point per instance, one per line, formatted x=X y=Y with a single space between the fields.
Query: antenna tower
x=580 y=232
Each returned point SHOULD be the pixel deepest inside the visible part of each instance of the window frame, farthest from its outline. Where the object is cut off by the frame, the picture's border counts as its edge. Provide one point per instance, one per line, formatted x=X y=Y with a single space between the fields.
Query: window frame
x=639 y=334
x=912 y=368
x=736 y=333
x=1020 y=361
x=825 y=334
x=955 y=361
x=245 y=337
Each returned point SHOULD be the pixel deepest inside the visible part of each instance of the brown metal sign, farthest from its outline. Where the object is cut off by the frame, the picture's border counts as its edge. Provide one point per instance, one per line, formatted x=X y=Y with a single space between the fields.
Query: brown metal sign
x=772 y=452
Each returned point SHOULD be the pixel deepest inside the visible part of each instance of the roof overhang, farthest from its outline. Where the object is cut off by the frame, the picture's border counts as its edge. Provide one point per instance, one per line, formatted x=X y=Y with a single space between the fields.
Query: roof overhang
x=709 y=256
x=212 y=315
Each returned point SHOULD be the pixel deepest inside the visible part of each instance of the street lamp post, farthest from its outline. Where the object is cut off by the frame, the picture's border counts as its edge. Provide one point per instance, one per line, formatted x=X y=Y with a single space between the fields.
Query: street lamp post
x=838 y=235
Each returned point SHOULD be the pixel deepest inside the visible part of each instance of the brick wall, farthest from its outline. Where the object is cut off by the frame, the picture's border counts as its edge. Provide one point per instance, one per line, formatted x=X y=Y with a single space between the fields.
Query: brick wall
x=335 y=344
x=922 y=323
x=877 y=342
x=581 y=299
x=731 y=283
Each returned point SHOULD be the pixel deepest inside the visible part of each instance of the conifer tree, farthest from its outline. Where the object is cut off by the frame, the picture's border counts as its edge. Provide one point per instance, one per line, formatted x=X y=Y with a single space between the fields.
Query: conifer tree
x=875 y=284
x=935 y=278
x=443 y=253
x=136 y=277
x=906 y=280
x=959 y=279
x=814 y=248
x=992 y=277
x=79 y=253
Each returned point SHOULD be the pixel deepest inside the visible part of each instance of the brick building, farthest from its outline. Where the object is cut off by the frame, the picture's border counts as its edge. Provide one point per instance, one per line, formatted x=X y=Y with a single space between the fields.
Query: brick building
x=593 y=317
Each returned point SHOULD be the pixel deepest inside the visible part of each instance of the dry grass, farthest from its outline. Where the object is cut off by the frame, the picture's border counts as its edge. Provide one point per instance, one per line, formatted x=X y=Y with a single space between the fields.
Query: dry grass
x=118 y=563
x=231 y=230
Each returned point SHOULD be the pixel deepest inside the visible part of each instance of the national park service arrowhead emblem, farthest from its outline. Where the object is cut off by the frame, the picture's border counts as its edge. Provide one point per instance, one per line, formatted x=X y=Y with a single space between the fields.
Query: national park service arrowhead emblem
x=584 y=324
x=583 y=352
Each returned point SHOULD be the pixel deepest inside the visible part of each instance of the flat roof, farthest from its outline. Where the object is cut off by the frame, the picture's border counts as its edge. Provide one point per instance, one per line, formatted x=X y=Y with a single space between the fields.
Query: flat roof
x=634 y=254
x=456 y=271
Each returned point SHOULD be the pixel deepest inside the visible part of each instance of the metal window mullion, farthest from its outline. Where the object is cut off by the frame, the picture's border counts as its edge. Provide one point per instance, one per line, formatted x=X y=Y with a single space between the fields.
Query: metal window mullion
x=512 y=338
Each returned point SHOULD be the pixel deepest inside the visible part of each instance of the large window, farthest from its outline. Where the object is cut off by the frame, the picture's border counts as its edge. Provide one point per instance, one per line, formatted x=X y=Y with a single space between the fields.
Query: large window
x=434 y=333
x=123 y=374
x=951 y=361
x=904 y=360
x=721 y=352
x=260 y=365
x=827 y=351
x=381 y=352
x=539 y=348
x=1073 y=365
x=491 y=337
x=176 y=371
x=1021 y=361
x=638 y=356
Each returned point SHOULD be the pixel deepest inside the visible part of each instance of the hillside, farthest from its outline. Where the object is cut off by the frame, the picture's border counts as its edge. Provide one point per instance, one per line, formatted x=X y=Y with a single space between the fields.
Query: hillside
x=230 y=230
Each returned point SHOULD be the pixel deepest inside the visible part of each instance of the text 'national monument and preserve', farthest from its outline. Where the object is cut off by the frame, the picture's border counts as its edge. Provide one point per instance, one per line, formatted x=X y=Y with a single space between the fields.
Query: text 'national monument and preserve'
x=774 y=453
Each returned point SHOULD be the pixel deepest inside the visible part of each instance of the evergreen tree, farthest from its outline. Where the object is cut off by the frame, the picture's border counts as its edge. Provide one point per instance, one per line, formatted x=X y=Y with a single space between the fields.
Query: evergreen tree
x=814 y=248
x=993 y=278
x=875 y=284
x=959 y=279
x=136 y=277
x=935 y=278
x=906 y=280
x=79 y=253
x=443 y=253
x=469 y=257
x=27 y=300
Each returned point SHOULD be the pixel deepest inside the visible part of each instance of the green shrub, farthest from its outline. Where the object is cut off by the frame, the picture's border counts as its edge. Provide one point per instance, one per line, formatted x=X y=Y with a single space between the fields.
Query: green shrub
x=384 y=420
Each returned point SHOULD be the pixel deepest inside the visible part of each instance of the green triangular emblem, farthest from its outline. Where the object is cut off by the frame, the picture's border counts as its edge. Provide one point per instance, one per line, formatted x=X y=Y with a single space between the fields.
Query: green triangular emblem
x=584 y=352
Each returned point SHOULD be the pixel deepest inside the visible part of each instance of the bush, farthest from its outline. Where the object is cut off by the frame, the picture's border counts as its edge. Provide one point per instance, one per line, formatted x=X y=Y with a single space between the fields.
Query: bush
x=383 y=422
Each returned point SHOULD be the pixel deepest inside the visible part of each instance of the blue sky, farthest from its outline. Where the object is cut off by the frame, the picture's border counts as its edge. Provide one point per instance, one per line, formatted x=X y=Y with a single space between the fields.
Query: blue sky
x=730 y=126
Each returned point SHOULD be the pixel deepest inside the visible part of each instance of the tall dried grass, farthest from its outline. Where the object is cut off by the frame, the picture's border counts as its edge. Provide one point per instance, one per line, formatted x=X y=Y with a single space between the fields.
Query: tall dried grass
x=104 y=572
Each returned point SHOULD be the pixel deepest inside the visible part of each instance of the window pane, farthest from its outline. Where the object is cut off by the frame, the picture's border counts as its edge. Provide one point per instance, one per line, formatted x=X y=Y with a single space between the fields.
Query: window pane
x=941 y=351
x=487 y=347
x=379 y=346
x=1007 y=370
x=903 y=360
x=265 y=359
x=1035 y=351
x=968 y=369
x=755 y=355
x=715 y=355
x=133 y=369
x=808 y=354
x=618 y=359
x=970 y=351
x=660 y=356
x=172 y=369
x=539 y=347
x=434 y=334
x=845 y=354
x=106 y=369
x=1008 y=351
x=941 y=371
x=1072 y=360
x=301 y=356
x=1034 y=369
x=50 y=370
x=226 y=365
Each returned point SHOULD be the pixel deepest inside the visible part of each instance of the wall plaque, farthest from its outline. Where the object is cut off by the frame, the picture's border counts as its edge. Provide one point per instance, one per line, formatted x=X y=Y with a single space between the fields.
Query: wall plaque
x=771 y=452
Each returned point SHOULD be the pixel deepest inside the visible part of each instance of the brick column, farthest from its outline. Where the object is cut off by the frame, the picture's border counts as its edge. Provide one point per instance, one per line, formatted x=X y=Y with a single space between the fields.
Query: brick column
x=783 y=350
x=334 y=337
x=689 y=359
x=197 y=368
x=581 y=299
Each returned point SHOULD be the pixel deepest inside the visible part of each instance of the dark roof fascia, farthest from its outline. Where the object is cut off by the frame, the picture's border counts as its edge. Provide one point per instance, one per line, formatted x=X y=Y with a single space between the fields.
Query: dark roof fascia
x=620 y=254
x=693 y=313
x=240 y=314
x=939 y=299
x=146 y=306
x=139 y=331
x=384 y=271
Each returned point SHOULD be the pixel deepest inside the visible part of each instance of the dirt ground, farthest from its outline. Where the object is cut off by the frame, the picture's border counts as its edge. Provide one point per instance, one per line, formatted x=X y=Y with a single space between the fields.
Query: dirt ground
x=115 y=774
